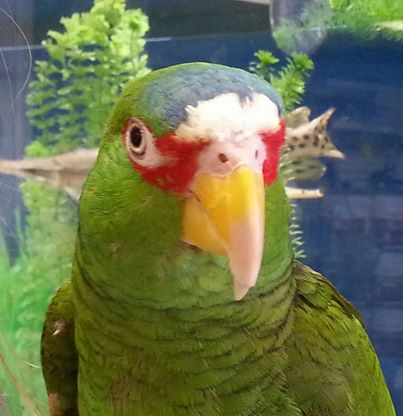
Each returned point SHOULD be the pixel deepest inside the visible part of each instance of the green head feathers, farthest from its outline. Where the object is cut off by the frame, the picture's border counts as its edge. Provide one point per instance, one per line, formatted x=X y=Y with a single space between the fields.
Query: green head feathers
x=161 y=97
x=179 y=125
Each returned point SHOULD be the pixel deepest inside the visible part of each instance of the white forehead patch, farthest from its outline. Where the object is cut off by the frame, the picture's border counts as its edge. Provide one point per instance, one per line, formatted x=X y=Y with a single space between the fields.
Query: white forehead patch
x=227 y=117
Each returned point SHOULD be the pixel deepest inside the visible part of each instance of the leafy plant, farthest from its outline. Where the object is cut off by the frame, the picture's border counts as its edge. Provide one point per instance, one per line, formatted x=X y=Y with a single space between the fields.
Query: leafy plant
x=289 y=81
x=89 y=62
x=46 y=248
x=74 y=90
x=369 y=17
x=306 y=28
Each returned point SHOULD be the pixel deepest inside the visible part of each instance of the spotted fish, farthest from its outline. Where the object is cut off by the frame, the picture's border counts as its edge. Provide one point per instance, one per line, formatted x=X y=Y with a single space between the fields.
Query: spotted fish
x=307 y=140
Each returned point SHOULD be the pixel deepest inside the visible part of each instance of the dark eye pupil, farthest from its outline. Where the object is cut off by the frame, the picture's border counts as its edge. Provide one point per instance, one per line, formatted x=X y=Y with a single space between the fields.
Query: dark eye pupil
x=136 y=137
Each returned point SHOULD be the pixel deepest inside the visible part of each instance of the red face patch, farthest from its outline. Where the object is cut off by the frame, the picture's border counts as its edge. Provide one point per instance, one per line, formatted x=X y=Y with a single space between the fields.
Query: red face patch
x=176 y=175
x=273 y=141
x=180 y=158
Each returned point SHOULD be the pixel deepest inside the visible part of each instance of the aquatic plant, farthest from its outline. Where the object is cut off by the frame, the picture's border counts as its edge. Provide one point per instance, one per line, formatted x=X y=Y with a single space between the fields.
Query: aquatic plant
x=369 y=18
x=289 y=80
x=73 y=90
x=303 y=28
x=88 y=63
x=46 y=247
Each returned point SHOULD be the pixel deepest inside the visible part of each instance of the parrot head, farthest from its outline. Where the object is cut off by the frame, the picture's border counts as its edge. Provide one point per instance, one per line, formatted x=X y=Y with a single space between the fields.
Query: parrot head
x=202 y=143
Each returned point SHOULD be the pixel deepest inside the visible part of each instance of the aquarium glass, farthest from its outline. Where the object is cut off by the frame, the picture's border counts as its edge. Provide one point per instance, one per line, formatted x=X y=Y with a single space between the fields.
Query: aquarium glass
x=353 y=234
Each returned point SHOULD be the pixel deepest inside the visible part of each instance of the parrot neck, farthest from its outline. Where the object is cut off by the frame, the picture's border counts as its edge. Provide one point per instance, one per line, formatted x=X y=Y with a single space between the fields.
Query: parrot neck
x=184 y=360
x=130 y=243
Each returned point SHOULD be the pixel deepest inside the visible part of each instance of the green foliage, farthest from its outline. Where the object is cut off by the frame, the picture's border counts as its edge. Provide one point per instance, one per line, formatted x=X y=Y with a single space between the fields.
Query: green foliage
x=263 y=67
x=27 y=286
x=306 y=29
x=88 y=64
x=369 y=17
x=289 y=81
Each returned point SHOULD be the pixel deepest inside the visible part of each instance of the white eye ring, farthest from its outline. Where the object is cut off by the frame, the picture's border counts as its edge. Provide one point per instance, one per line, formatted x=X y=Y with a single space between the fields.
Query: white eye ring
x=135 y=138
x=140 y=144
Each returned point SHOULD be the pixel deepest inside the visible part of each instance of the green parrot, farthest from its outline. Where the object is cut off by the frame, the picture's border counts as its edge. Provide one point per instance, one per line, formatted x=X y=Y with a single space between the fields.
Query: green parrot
x=185 y=297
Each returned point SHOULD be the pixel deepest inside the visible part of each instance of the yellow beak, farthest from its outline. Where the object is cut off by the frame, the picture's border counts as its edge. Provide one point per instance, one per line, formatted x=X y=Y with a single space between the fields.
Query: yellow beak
x=225 y=215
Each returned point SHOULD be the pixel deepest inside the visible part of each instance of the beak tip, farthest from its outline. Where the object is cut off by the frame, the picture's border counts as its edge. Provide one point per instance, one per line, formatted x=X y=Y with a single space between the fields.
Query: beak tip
x=240 y=291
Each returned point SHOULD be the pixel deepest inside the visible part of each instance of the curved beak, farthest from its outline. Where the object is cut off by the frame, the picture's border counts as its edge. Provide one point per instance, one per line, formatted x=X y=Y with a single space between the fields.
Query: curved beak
x=225 y=215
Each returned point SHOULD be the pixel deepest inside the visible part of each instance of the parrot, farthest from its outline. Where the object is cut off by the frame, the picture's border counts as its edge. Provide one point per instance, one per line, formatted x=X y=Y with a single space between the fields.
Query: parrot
x=185 y=296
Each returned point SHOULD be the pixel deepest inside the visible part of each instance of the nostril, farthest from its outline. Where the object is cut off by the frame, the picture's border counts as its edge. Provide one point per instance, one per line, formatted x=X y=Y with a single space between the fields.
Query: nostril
x=223 y=157
x=256 y=154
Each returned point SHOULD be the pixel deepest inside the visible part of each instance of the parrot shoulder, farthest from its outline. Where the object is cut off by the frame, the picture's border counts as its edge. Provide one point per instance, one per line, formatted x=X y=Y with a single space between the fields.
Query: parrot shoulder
x=330 y=354
x=317 y=291
x=59 y=355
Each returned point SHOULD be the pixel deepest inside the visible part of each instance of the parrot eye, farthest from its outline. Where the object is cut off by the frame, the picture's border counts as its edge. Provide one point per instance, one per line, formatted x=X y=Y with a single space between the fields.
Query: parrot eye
x=140 y=144
x=134 y=135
